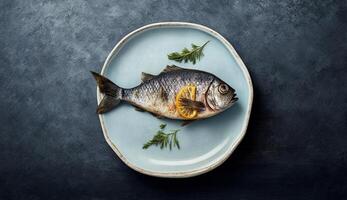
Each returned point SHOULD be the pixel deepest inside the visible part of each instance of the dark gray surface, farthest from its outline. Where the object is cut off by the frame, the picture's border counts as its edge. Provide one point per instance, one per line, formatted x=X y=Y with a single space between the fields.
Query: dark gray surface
x=51 y=144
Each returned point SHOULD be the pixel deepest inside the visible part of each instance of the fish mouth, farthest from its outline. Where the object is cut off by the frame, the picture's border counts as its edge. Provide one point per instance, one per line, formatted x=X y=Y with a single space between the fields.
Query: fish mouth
x=233 y=99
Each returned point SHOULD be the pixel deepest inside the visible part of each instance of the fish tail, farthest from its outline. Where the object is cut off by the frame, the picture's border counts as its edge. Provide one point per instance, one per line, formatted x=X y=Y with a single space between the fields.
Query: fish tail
x=112 y=92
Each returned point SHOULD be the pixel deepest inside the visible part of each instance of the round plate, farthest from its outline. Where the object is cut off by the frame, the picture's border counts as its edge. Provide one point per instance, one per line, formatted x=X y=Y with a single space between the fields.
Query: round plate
x=205 y=144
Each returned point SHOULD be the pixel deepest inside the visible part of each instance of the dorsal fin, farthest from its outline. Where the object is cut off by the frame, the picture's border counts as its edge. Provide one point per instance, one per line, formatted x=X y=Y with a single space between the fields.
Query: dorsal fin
x=170 y=68
x=146 y=76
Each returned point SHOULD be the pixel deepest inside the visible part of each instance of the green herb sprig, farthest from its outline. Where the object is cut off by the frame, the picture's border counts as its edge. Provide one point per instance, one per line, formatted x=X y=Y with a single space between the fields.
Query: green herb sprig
x=163 y=140
x=188 y=55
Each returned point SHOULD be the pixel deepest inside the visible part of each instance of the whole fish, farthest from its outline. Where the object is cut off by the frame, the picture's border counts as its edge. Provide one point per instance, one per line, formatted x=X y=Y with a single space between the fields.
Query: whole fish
x=175 y=93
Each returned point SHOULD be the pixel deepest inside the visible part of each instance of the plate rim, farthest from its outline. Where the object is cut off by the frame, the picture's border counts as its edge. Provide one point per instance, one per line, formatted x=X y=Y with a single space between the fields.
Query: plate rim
x=231 y=148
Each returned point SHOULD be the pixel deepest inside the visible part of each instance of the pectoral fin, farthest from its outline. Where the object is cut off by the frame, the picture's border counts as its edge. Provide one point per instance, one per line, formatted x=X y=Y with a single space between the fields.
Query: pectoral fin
x=157 y=116
x=139 y=109
x=185 y=123
x=195 y=105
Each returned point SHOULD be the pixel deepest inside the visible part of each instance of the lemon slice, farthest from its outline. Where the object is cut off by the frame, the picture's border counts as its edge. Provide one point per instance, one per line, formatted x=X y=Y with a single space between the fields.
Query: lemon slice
x=188 y=92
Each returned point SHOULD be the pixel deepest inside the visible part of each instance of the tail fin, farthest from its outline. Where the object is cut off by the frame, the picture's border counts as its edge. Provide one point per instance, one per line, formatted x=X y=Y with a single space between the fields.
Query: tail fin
x=112 y=93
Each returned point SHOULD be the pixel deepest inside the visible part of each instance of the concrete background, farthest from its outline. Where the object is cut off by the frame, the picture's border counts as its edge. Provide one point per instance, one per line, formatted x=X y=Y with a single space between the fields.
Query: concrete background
x=51 y=144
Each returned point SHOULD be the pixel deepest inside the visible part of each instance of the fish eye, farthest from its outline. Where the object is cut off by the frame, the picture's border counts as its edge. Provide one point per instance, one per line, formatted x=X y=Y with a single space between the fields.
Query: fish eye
x=223 y=88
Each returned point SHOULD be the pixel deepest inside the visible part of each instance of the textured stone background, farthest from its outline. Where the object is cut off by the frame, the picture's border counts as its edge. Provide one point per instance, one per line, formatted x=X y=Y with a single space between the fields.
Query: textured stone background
x=51 y=145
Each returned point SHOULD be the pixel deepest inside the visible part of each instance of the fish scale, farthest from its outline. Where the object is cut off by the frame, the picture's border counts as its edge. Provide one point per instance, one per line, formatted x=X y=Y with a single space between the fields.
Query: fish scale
x=148 y=95
x=157 y=94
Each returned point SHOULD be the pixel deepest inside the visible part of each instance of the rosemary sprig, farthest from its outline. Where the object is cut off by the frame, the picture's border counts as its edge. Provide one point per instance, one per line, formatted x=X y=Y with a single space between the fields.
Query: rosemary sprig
x=188 y=55
x=163 y=139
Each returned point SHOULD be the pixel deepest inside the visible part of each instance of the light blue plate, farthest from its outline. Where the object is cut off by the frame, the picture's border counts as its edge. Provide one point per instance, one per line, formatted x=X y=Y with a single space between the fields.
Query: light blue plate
x=204 y=144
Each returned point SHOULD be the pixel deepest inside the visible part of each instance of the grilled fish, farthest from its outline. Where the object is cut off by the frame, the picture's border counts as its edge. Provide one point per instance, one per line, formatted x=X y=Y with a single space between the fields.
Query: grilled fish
x=176 y=93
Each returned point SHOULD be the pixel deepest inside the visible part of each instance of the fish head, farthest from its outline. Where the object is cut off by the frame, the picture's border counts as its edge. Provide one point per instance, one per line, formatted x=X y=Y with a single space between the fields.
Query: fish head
x=220 y=95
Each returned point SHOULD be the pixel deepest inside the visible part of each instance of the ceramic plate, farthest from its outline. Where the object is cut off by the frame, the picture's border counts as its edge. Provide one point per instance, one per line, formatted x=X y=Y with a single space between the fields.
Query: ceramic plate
x=204 y=144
